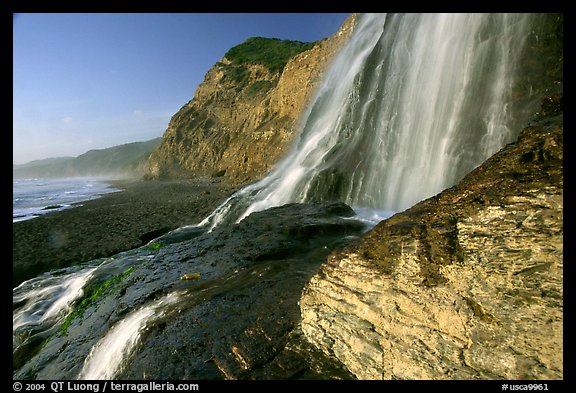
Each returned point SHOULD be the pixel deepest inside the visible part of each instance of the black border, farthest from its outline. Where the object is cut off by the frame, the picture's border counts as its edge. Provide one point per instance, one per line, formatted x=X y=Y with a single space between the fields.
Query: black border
x=9 y=7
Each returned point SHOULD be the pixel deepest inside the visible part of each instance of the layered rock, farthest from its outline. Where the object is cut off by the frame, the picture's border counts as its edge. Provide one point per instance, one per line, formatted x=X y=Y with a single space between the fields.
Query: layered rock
x=237 y=126
x=464 y=285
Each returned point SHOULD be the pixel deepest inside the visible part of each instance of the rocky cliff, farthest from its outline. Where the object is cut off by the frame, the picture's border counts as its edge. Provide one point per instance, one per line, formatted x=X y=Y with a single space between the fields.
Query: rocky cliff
x=244 y=114
x=464 y=285
x=467 y=284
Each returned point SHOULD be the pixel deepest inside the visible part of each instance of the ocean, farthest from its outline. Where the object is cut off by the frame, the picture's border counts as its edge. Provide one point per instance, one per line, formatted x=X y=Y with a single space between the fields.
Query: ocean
x=34 y=197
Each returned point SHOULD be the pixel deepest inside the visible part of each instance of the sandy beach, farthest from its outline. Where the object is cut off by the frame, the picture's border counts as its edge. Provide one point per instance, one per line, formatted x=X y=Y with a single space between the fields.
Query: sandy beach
x=113 y=223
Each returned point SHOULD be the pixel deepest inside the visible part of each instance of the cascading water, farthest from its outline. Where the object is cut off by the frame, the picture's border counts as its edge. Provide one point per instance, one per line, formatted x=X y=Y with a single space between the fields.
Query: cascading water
x=42 y=302
x=411 y=104
x=107 y=355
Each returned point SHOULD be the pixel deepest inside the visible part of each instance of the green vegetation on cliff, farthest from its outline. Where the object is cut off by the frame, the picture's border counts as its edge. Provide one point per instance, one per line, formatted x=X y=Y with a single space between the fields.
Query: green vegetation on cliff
x=243 y=115
x=273 y=53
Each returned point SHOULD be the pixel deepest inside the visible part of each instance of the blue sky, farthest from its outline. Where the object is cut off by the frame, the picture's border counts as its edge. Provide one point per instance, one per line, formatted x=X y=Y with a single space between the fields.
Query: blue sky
x=91 y=81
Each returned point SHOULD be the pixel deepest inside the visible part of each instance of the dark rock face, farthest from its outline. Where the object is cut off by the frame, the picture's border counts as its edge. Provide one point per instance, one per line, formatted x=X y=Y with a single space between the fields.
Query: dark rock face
x=464 y=285
x=238 y=320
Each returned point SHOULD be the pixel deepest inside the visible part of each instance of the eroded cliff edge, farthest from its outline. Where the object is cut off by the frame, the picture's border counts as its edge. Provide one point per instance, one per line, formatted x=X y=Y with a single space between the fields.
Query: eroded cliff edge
x=467 y=284
x=244 y=114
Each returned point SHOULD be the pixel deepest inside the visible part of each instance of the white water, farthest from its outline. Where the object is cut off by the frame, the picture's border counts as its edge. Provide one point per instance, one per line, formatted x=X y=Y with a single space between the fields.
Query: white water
x=34 y=197
x=410 y=105
x=107 y=356
x=45 y=300
x=41 y=304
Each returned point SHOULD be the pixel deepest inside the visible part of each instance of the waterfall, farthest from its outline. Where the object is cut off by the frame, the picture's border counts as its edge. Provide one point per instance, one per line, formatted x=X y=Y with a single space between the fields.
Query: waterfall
x=410 y=105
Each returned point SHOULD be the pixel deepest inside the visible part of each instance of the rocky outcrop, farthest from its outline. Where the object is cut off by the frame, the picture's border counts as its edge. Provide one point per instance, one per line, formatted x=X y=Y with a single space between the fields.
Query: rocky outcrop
x=236 y=318
x=464 y=285
x=241 y=120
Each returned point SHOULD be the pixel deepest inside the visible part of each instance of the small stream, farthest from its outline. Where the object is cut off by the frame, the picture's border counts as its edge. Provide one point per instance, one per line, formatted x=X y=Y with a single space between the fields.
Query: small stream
x=127 y=316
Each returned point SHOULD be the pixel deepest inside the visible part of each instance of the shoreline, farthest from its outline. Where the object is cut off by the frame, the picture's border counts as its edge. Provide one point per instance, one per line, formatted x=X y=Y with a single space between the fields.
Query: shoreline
x=114 y=222
x=64 y=193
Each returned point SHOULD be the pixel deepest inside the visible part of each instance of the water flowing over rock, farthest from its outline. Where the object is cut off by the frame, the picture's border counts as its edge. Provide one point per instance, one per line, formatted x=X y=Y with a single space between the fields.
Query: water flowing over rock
x=468 y=283
x=465 y=285
x=411 y=104
x=284 y=280
x=135 y=318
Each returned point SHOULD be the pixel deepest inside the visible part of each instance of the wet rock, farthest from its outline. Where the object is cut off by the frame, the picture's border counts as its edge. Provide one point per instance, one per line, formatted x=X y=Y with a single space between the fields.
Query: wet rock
x=237 y=319
x=116 y=222
x=464 y=285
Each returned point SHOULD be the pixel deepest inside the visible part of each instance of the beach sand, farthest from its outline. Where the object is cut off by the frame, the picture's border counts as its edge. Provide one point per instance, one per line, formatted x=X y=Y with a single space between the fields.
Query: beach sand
x=113 y=223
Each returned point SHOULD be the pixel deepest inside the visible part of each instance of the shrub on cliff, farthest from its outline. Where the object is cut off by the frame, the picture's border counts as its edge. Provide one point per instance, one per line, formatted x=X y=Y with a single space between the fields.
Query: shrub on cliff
x=273 y=53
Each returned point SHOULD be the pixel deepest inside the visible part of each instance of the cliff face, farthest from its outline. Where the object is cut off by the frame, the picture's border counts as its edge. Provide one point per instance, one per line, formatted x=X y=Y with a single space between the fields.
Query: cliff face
x=464 y=285
x=467 y=284
x=241 y=121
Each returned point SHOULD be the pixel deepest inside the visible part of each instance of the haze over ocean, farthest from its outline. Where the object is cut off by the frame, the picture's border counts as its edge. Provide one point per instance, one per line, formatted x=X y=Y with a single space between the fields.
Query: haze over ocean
x=34 y=197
